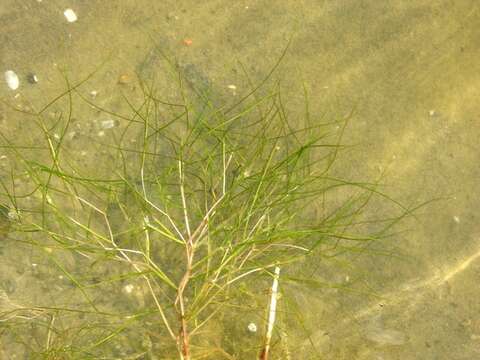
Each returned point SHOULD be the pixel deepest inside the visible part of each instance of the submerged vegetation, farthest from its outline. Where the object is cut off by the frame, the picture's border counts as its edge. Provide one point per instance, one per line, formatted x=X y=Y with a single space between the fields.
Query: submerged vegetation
x=165 y=243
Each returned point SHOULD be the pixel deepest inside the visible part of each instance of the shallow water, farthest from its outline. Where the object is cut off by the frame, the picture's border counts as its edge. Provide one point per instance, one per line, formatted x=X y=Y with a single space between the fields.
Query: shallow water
x=409 y=69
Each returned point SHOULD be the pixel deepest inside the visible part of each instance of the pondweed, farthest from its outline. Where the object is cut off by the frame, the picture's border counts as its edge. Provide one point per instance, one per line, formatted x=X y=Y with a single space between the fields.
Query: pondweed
x=159 y=235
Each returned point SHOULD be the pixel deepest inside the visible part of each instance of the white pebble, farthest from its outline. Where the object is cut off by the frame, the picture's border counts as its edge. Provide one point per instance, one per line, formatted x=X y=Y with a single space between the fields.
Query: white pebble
x=108 y=124
x=252 y=327
x=128 y=288
x=12 y=79
x=70 y=15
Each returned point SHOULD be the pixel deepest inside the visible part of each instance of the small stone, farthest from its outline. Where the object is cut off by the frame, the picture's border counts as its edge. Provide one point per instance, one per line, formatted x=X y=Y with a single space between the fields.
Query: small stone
x=252 y=327
x=32 y=78
x=233 y=88
x=124 y=79
x=70 y=15
x=128 y=288
x=12 y=80
x=93 y=94
x=432 y=113
x=456 y=219
x=172 y=16
x=187 y=42
x=108 y=124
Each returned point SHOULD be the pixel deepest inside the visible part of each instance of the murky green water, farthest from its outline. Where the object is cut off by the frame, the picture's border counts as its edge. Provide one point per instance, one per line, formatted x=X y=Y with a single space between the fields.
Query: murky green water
x=409 y=70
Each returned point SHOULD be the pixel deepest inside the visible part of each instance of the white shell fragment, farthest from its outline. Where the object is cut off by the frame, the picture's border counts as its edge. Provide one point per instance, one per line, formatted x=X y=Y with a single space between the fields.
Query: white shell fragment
x=252 y=327
x=12 y=79
x=108 y=124
x=70 y=15
x=233 y=88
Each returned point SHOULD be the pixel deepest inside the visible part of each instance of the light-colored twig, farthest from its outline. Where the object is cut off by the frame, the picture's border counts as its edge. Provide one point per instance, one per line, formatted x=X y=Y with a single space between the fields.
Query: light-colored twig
x=271 y=315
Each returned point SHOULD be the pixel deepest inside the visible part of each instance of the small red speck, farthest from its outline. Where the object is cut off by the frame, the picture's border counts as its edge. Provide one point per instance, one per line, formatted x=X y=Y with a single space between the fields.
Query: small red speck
x=187 y=42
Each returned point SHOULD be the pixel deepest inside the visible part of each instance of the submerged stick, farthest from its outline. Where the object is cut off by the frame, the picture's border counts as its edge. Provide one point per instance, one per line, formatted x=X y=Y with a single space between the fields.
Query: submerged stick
x=271 y=315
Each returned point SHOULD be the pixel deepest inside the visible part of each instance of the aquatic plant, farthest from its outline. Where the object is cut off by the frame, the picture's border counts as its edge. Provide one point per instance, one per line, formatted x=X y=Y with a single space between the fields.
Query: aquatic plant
x=165 y=238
